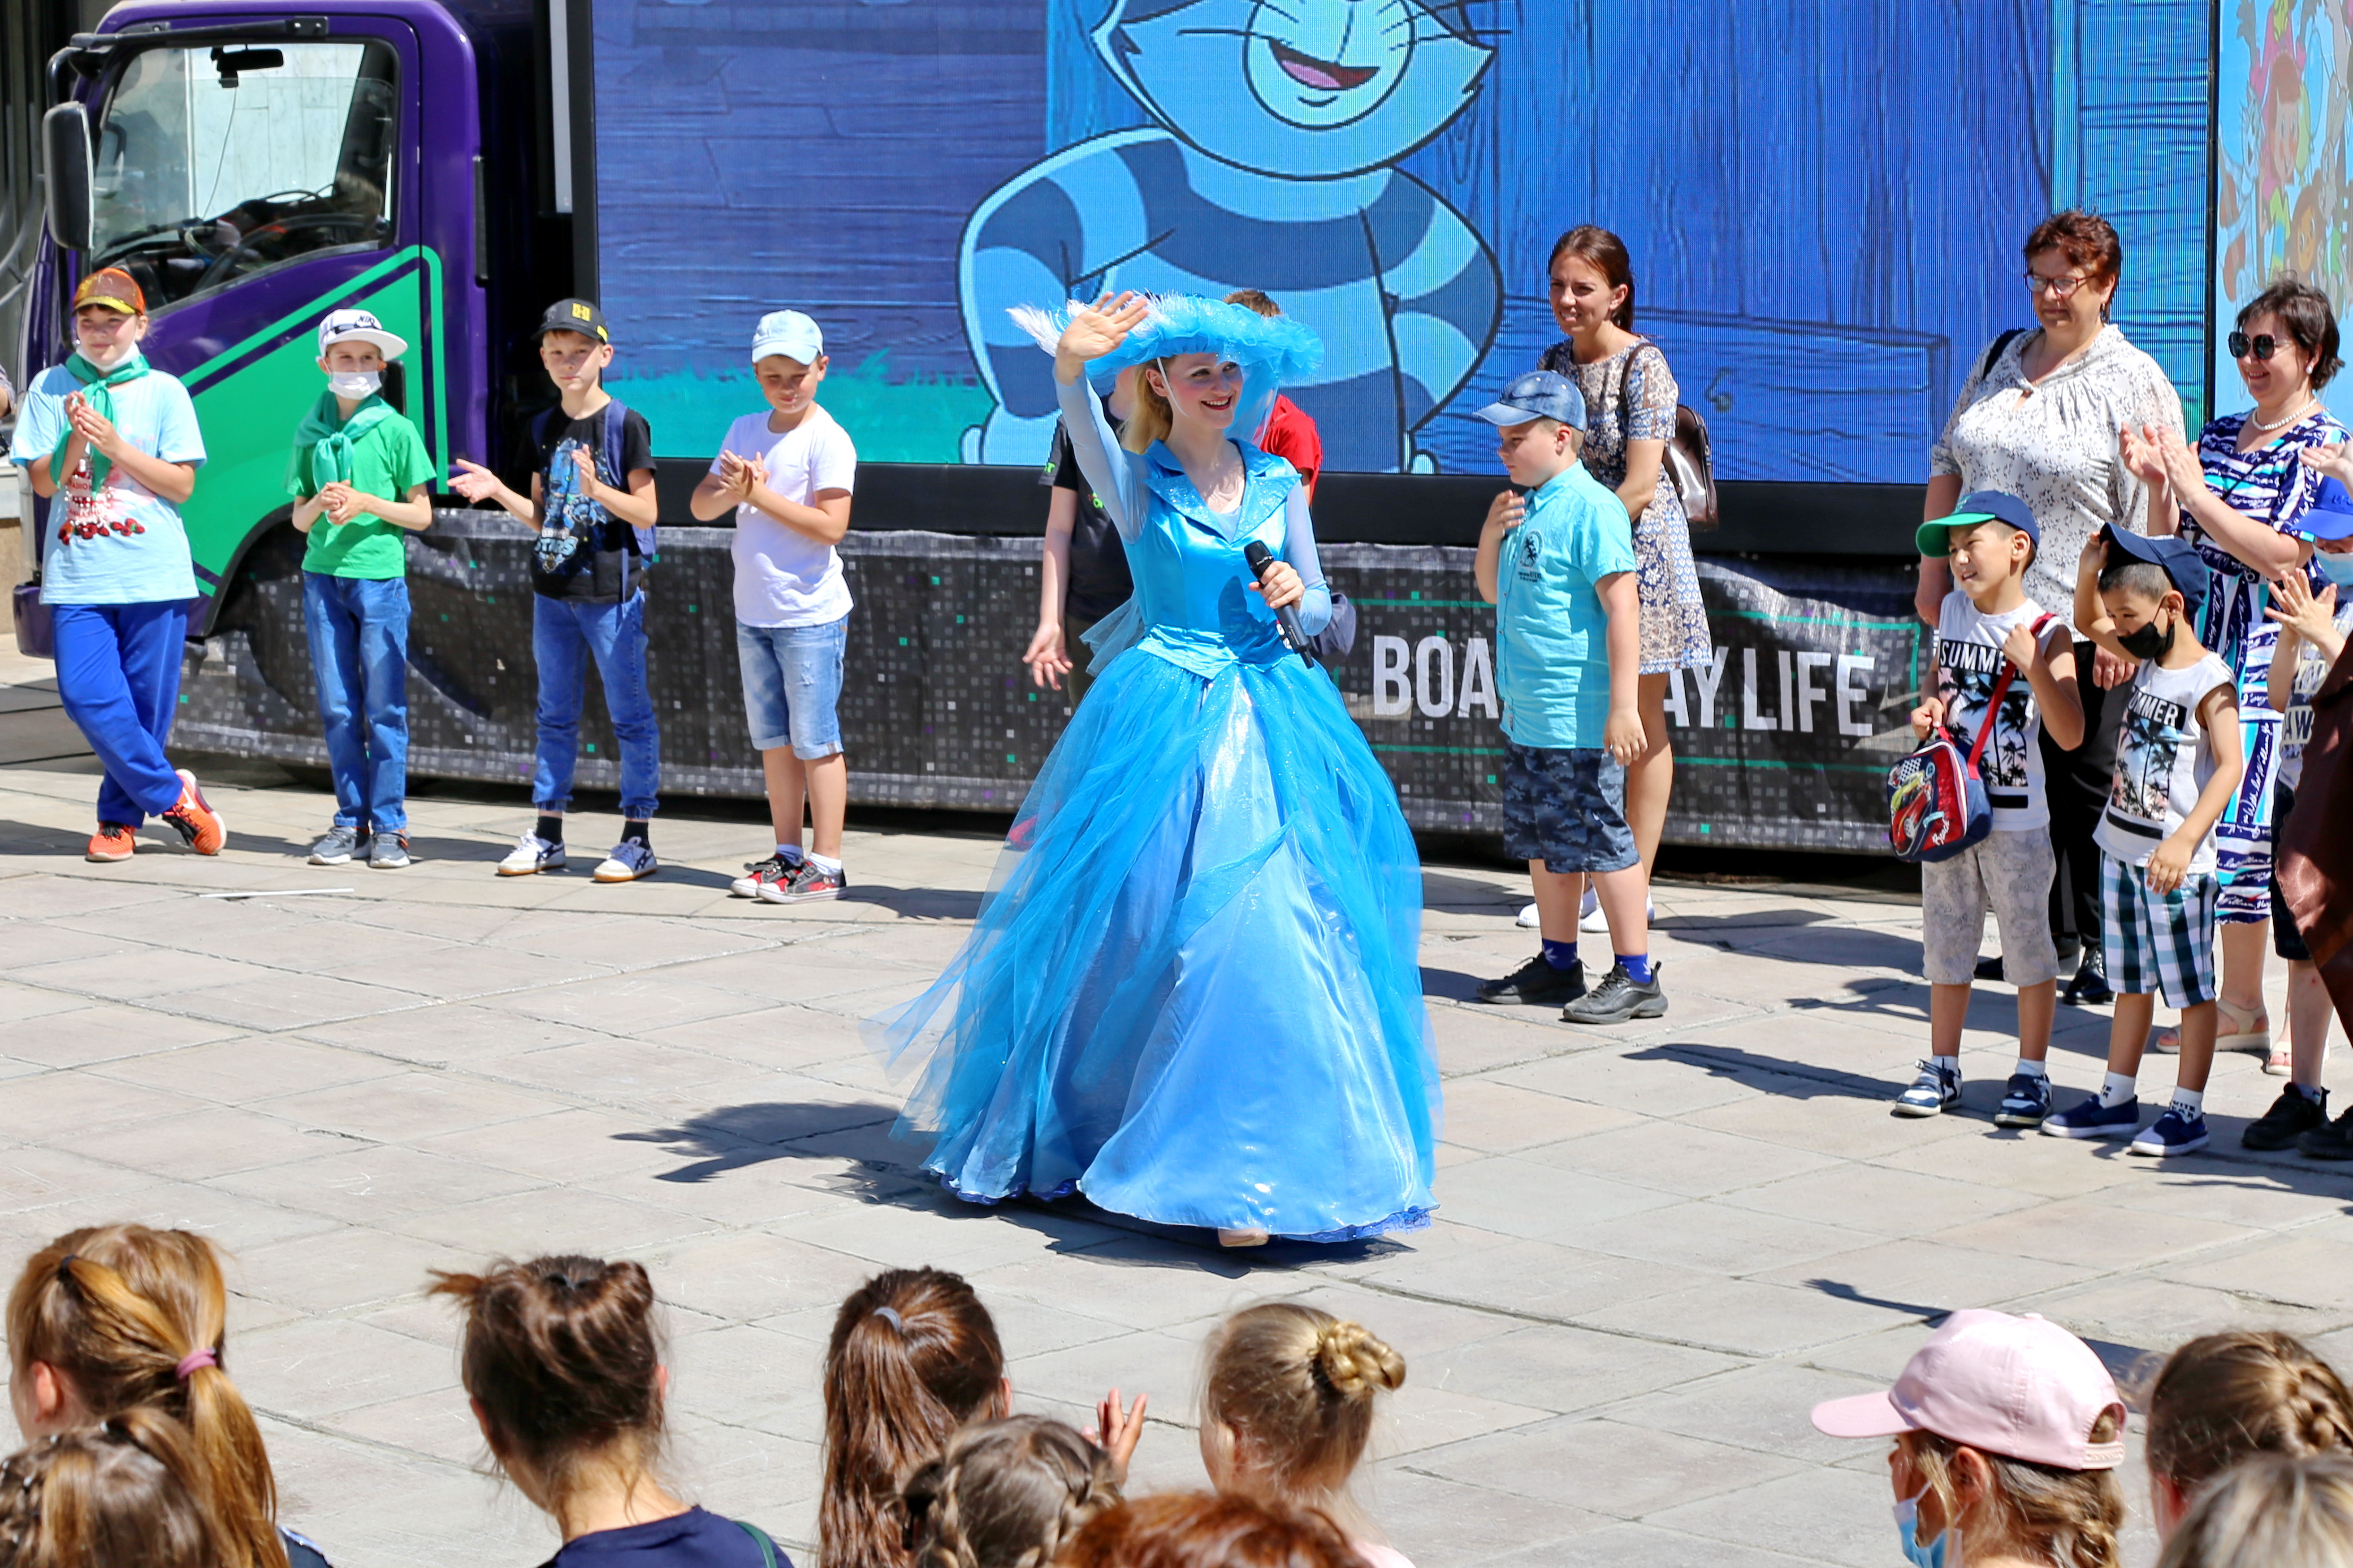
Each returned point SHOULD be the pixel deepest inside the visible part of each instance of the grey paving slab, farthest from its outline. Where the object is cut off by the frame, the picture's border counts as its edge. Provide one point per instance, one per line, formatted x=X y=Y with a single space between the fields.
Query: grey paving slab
x=1656 y=1247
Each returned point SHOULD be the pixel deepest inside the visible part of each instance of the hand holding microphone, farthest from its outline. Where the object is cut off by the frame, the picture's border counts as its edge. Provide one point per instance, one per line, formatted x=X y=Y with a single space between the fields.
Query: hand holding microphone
x=1262 y=565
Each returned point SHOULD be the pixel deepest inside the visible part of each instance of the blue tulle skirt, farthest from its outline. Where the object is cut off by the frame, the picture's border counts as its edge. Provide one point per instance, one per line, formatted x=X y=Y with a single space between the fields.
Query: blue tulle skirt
x=1194 y=990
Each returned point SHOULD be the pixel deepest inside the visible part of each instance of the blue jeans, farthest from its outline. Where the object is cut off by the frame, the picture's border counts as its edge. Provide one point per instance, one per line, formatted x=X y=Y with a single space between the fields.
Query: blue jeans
x=566 y=634
x=118 y=676
x=359 y=658
x=792 y=686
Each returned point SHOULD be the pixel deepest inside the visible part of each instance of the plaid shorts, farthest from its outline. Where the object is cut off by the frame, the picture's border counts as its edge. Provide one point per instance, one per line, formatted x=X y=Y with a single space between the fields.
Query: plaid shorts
x=2159 y=941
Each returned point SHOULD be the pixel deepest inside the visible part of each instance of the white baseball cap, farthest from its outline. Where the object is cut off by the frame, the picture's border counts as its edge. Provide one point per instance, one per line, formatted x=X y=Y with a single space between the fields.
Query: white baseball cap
x=360 y=326
x=789 y=333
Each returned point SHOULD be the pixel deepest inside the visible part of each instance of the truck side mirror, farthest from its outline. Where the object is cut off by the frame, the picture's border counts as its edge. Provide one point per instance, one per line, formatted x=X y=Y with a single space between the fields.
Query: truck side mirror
x=65 y=141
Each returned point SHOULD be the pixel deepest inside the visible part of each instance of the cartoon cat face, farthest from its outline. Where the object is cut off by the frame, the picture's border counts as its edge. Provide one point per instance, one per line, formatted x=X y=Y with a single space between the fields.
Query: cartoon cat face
x=1307 y=89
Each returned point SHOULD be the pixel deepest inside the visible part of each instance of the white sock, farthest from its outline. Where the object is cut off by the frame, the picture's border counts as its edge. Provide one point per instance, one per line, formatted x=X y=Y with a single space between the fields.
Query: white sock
x=1950 y=1064
x=2030 y=1069
x=789 y=853
x=2116 y=1089
x=2190 y=1102
x=824 y=863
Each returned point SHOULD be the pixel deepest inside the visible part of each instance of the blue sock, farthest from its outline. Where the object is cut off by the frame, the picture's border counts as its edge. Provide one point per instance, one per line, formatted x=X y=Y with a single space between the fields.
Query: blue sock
x=1637 y=968
x=1560 y=954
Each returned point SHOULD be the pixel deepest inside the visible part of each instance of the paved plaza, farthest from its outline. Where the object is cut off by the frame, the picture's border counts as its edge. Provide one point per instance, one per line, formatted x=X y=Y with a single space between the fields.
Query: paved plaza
x=1656 y=1246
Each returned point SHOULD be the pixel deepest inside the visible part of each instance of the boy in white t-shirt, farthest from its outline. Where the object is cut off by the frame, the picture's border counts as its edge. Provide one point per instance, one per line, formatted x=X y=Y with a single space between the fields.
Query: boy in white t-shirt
x=1988 y=625
x=787 y=476
x=2313 y=630
x=2177 y=766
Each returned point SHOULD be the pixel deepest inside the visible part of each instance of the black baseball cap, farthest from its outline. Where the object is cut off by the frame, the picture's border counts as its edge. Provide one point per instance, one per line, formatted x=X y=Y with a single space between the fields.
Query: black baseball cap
x=2177 y=558
x=580 y=316
x=1977 y=507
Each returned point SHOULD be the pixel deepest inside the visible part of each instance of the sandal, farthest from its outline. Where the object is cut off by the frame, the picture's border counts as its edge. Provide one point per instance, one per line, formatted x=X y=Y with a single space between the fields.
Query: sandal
x=2235 y=1029
x=2280 y=1062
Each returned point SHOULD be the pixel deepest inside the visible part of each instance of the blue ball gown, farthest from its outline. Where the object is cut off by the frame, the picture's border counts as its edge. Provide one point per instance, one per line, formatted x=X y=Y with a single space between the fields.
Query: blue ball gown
x=1194 y=992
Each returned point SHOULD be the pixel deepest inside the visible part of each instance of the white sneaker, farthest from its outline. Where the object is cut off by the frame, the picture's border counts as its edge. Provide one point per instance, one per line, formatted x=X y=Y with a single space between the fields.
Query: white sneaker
x=1592 y=919
x=532 y=853
x=628 y=861
x=1529 y=919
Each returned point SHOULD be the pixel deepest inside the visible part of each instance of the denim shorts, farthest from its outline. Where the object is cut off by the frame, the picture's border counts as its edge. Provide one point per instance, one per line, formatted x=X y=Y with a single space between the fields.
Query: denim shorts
x=792 y=685
x=1566 y=809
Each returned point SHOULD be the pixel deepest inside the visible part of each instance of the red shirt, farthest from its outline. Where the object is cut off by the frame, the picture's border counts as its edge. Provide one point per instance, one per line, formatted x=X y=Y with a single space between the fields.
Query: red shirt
x=1291 y=434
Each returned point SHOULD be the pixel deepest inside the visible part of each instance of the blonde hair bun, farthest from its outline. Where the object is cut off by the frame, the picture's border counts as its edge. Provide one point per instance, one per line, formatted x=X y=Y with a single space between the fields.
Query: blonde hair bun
x=1356 y=1361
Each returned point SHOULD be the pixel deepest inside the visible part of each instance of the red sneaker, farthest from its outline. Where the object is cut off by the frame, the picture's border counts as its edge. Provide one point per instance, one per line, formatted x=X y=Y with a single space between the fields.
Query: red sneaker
x=198 y=823
x=112 y=842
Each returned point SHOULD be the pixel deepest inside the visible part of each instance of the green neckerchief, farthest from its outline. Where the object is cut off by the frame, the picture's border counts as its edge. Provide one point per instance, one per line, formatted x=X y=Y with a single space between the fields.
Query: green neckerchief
x=95 y=382
x=323 y=445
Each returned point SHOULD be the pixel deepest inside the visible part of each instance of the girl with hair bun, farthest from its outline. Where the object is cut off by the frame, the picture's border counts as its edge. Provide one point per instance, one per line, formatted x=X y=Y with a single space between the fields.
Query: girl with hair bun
x=110 y=1496
x=1287 y=1409
x=117 y=1318
x=2222 y=1398
x=1006 y=1494
x=562 y=1362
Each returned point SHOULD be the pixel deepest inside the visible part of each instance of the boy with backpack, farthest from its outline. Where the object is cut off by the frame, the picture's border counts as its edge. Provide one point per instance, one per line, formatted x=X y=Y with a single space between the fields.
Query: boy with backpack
x=592 y=500
x=787 y=475
x=1988 y=634
x=2178 y=767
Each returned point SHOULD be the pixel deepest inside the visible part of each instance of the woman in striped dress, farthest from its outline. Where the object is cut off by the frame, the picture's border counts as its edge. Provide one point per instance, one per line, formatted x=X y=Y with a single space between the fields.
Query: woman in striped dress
x=2243 y=496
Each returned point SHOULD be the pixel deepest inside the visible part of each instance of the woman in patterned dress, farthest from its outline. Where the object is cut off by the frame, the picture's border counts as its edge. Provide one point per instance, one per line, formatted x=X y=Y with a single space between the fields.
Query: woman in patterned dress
x=2243 y=497
x=1629 y=416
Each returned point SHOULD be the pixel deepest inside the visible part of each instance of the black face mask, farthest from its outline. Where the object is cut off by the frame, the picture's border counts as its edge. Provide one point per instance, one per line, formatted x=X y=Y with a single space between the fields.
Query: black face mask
x=2148 y=642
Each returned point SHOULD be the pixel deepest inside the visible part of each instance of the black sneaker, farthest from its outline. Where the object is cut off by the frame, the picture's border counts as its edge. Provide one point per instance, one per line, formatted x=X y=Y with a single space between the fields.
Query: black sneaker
x=2025 y=1100
x=1537 y=983
x=2090 y=987
x=1989 y=968
x=2289 y=1119
x=2332 y=1142
x=1616 y=999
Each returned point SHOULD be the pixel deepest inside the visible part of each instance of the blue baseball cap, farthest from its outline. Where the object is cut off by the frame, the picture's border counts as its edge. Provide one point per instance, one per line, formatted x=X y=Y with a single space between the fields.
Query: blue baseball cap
x=2178 y=561
x=1539 y=395
x=789 y=333
x=1977 y=507
x=2330 y=515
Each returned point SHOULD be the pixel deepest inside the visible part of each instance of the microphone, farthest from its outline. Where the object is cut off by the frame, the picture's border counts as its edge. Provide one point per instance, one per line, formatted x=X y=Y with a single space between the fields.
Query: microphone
x=1260 y=558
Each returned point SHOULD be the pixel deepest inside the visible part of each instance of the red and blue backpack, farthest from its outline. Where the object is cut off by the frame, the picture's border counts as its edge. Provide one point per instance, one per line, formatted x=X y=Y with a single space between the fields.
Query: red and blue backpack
x=1937 y=804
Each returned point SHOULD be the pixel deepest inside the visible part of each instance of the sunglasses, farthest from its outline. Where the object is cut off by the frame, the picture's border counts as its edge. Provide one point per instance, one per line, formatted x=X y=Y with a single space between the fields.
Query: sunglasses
x=2261 y=346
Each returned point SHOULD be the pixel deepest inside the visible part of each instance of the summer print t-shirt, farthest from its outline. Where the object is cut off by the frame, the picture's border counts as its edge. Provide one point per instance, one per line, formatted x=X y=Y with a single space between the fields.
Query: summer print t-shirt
x=783 y=577
x=1969 y=662
x=120 y=543
x=2295 y=726
x=2163 y=757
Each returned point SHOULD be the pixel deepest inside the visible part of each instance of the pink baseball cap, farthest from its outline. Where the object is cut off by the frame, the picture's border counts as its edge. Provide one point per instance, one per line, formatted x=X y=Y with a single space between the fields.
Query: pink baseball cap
x=2023 y=1387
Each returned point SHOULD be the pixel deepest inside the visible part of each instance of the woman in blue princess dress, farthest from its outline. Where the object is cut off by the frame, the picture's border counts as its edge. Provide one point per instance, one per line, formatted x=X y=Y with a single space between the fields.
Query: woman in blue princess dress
x=1193 y=993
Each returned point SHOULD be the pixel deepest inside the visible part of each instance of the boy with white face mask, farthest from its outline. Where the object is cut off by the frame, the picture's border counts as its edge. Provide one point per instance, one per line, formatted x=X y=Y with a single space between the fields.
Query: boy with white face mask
x=112 y=444
x=361 y=480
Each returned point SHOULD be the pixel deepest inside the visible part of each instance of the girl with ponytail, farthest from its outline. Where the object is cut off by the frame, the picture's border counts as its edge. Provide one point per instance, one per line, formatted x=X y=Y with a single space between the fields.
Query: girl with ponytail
x=107 y=1496
x=120 y=1318
x=1287 y=1410
x=563 y=1366
x=1006 y=1494
x=2222 y=1398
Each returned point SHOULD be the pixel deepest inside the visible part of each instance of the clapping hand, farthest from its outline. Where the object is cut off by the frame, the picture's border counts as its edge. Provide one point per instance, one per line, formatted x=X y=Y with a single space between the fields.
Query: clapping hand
x=2142 y=455
x=1116 y=1431
x=2330 y=462
x=735 y=479
x=338 y=501
x=585 y=461
x=2295 y=606
x=96 y=429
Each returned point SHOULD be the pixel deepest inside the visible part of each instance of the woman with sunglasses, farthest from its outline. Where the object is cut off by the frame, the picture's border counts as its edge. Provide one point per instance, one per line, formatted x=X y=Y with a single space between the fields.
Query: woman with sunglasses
x=2243 y=495
x=2038 y=417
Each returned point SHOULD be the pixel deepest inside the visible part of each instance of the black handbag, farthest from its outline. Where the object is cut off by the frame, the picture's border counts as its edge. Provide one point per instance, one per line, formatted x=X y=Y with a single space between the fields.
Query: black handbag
x=37 y=636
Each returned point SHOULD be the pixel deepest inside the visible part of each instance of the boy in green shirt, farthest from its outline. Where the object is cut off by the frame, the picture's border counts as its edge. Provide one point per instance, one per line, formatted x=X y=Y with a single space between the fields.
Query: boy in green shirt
x=353 y=455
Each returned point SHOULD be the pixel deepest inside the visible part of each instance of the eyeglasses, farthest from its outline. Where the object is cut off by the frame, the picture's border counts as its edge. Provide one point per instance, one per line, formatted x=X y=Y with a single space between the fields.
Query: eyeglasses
x=2057 y=288
x=2261 y=346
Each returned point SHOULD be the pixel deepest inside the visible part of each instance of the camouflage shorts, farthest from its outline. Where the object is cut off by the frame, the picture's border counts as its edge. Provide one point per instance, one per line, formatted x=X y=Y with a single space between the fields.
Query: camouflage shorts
x=1566 y=809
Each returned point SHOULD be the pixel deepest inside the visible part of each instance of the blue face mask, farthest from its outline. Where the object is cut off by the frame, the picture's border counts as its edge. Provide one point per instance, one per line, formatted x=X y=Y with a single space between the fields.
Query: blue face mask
x=1907 y=1525
x=2338 y=569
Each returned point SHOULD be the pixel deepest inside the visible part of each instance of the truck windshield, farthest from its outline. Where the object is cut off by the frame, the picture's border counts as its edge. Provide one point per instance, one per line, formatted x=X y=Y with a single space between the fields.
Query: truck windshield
x=213 y=163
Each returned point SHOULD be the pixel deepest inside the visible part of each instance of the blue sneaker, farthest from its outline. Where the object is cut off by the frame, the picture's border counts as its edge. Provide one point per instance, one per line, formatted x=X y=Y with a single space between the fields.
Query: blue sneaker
x=2025 y=1100
x=1936 y=1090
x=2172 y=1134
x=2092 y=1120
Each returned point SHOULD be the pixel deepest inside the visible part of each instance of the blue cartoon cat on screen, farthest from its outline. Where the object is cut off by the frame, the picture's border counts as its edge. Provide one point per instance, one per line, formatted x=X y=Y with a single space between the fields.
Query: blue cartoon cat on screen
x=1270 y=165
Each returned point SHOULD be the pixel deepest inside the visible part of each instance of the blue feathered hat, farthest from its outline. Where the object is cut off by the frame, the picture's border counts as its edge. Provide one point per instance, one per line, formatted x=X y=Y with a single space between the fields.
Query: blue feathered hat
x=1274 y=351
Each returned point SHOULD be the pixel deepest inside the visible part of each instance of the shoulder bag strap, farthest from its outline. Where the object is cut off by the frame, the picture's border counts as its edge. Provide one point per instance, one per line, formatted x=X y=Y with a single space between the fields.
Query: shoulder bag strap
x=760 y=1539
x=2001 y=689
x=2000 y=341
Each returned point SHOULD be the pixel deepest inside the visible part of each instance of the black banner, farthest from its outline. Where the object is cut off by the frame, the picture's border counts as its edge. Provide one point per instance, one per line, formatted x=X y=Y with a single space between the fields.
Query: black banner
x=1783 y=741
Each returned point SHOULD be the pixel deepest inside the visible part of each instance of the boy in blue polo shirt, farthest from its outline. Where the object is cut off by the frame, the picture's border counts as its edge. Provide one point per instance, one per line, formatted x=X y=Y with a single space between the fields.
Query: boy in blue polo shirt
x=1558 y=566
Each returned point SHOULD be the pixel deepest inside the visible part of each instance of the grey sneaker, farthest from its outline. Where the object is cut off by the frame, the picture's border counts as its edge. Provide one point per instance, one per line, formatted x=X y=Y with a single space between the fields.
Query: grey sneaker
x=387 y=851
x=1618 y=999
x=337 y=847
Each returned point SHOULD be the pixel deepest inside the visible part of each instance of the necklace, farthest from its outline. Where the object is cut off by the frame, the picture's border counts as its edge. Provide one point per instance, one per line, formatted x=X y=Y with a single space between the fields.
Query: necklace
x=2284 y=419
